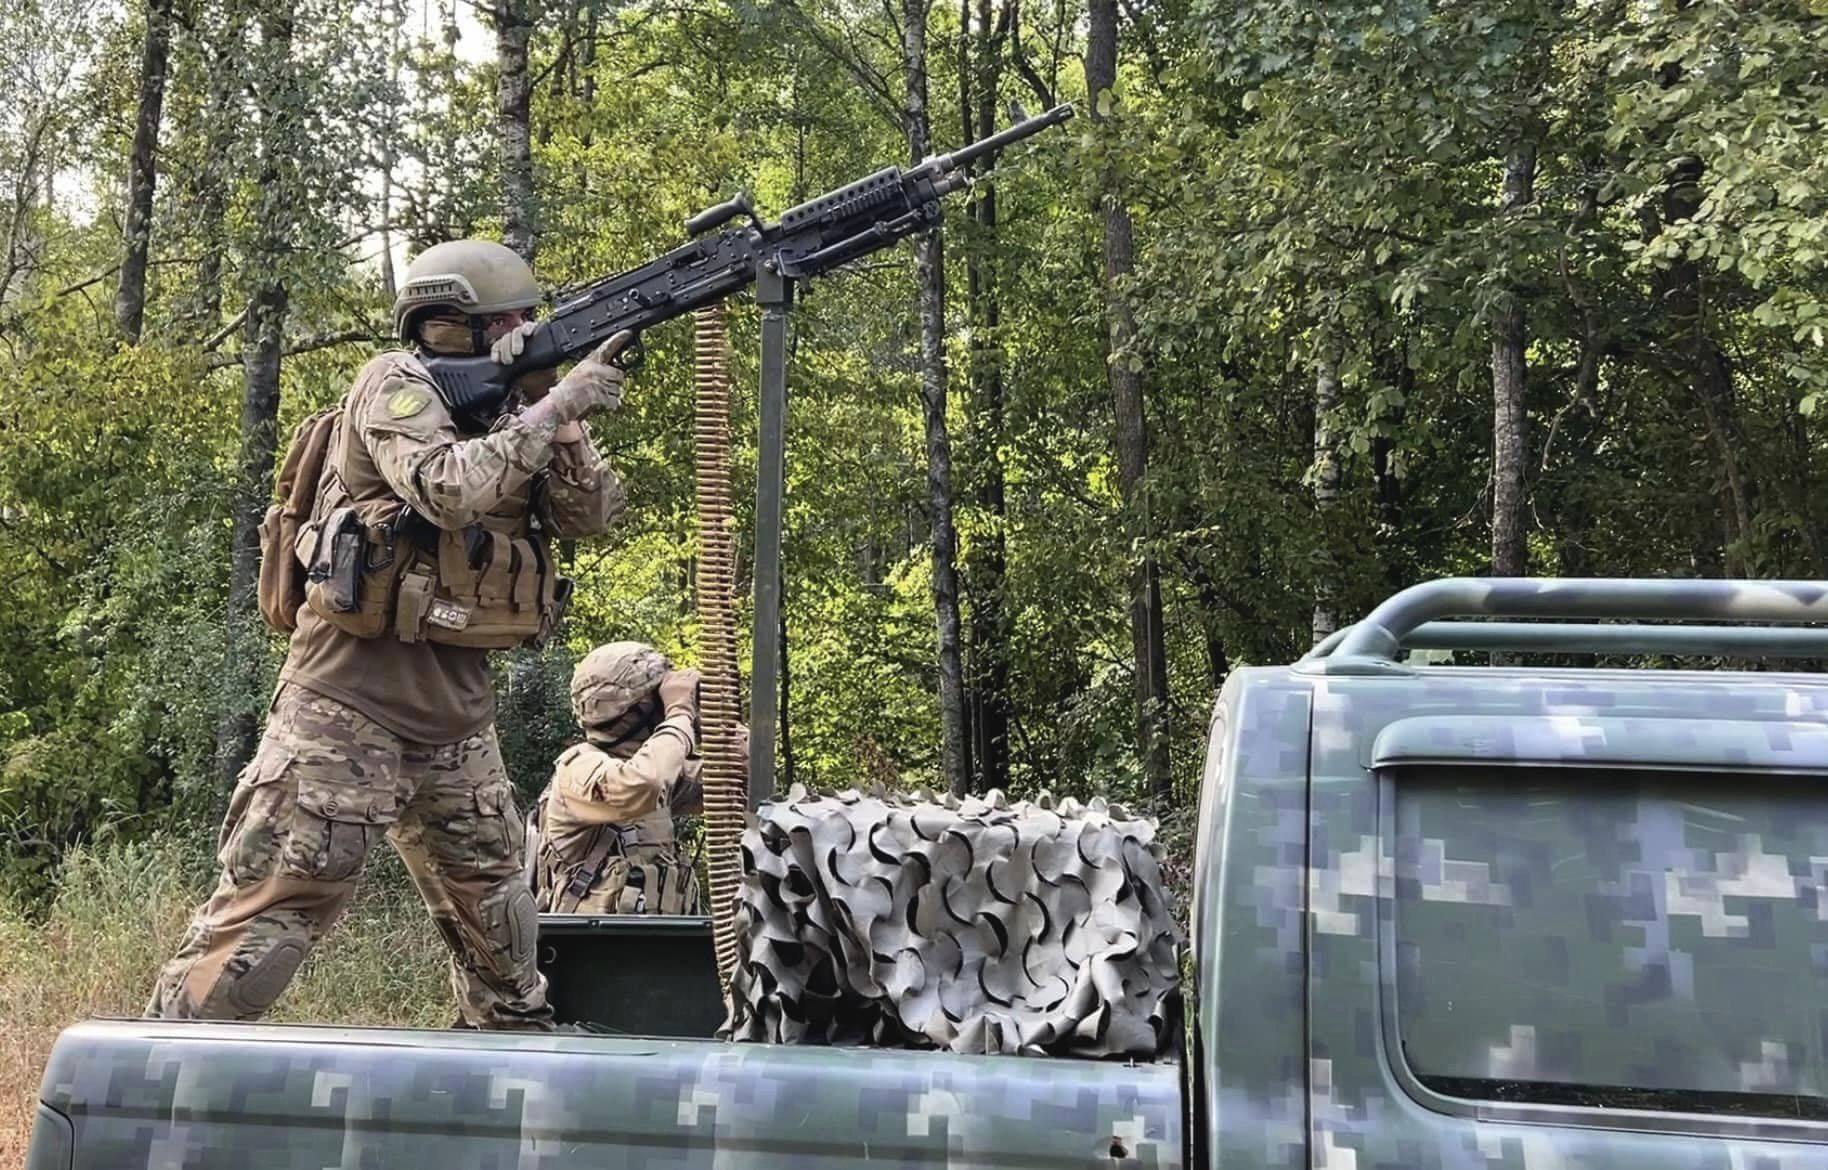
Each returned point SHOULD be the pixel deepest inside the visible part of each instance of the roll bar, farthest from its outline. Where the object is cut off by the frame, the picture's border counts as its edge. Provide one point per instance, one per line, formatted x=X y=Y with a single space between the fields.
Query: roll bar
x=1411 y=619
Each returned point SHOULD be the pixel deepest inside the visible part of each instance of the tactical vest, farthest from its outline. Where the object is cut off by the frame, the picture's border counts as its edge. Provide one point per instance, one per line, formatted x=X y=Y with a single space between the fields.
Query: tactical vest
x=633 y=868
x=374 y=566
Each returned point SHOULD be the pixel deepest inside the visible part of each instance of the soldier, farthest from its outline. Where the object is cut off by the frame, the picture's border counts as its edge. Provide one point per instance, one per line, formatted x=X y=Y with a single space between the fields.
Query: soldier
x=604 y=825
x=383 y=723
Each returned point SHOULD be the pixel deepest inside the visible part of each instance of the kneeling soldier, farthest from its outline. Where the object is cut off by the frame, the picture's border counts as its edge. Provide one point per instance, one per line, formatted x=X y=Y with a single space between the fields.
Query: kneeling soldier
x=605 y=822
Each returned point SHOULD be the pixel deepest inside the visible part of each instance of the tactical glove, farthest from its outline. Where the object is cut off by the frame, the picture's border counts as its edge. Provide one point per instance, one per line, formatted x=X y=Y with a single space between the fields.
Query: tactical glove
x=593 y=384
x=509 y=345
x=679 y=693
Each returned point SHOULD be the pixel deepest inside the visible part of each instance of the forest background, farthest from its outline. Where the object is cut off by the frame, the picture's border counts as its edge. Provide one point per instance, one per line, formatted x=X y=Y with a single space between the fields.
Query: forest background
x=1314 y=301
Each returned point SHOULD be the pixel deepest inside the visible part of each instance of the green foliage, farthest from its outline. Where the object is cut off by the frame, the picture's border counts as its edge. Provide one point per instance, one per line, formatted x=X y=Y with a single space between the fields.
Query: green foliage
x=1309 y=184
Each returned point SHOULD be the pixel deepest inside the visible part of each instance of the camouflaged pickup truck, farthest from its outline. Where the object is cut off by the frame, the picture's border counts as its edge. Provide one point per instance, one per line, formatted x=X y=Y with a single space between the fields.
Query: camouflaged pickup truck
x=1458 y=916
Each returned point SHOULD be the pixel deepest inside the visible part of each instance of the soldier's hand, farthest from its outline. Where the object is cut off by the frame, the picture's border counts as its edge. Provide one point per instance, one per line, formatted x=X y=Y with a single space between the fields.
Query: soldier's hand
x=679 y=693
x=594 y=383
x=511 y=344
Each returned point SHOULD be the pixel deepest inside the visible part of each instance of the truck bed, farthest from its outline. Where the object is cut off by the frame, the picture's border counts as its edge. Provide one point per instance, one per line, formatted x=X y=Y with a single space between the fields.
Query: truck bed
x=169 y=1094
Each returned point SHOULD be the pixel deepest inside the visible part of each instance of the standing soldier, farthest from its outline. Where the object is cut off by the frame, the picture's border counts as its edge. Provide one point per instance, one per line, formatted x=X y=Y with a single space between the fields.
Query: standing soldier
x=604 y=825
x=427 y=547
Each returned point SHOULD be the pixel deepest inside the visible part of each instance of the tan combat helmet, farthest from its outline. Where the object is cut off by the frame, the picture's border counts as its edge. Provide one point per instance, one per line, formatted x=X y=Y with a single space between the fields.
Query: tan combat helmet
x=476 y=277
x=613 y=678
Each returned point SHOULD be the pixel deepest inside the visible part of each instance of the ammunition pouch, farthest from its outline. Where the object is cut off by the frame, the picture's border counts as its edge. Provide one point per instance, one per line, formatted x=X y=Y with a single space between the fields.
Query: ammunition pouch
x=480 y=587
x=477 y=587
x=350 y=571
x=617 y=878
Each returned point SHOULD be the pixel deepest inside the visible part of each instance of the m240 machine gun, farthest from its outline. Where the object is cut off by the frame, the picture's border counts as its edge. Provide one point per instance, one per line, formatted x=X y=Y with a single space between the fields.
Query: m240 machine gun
x=813 y=238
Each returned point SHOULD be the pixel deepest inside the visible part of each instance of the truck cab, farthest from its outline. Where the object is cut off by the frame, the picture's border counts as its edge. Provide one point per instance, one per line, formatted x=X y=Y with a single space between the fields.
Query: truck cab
x=1562 y=907
x=1521 y=916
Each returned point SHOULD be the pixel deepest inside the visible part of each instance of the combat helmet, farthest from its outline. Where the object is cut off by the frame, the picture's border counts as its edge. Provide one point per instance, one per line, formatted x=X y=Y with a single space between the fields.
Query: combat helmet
x=476 y=277
x=613 y=678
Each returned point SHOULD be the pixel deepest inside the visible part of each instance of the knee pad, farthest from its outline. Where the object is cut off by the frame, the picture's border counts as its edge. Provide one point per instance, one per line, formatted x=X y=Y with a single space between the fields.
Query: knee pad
x=253 y=991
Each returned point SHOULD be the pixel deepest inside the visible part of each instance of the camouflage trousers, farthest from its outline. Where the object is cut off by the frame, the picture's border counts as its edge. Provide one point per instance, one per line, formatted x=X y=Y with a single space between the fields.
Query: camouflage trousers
x=326 y=783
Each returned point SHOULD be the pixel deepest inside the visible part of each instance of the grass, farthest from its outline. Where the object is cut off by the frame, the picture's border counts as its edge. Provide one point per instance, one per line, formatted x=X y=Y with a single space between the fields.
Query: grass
x=118 y=915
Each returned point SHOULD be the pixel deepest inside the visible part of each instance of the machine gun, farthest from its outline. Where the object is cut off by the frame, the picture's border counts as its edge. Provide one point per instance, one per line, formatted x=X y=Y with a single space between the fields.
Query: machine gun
x=813 y=238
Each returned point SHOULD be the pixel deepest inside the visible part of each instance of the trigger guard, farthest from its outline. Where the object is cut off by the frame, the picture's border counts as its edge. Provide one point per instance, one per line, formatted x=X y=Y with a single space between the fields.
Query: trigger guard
x=631 y=356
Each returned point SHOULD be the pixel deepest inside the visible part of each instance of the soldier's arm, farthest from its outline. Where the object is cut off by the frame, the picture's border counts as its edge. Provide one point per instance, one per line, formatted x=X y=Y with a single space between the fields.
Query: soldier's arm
x=449 y=478
x=617 y=790
x=583 y=496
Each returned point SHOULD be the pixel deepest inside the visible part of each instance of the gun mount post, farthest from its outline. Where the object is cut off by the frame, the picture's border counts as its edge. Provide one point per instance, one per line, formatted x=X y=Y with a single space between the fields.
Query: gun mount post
x=774 y=292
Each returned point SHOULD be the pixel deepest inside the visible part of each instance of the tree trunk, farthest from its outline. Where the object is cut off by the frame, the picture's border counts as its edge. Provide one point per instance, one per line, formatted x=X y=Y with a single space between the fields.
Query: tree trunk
x=1132 y=440
x=1218 y=663
x=1683 y=295
x=210 y=183
x=980 y=61
x=142 y=172
x=930 y=274
x=389 y=279
x=1510 y=434
x=276 y=93
x=514 y=125
x=1326 y=487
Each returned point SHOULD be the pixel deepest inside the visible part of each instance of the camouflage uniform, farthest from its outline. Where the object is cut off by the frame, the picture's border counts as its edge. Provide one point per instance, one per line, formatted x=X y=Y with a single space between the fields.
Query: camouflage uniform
x=325 y=785
x=344 y=760
x=605 y=822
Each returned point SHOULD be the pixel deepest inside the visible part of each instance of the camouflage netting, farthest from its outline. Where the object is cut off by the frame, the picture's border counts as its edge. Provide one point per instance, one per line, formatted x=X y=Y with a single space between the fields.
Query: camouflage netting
x=978 y=926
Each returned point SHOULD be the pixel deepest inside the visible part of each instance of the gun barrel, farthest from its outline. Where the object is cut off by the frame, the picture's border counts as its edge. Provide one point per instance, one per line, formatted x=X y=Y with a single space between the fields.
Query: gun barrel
x=966 y=155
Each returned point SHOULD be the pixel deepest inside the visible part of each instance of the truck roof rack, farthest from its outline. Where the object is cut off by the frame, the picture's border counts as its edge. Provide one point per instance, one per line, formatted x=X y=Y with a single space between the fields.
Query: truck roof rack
x=1411 y=620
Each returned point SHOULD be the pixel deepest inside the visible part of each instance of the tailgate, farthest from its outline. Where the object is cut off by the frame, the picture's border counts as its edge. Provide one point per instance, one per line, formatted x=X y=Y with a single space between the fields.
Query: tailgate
x=163 y=1094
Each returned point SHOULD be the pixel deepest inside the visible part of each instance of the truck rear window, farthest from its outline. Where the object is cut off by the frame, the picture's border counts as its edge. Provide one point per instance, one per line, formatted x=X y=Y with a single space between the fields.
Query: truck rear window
x=1618 y=939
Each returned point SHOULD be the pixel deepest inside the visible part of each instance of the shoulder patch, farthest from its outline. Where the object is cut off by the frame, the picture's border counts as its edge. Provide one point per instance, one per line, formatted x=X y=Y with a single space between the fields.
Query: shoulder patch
x=405 y=399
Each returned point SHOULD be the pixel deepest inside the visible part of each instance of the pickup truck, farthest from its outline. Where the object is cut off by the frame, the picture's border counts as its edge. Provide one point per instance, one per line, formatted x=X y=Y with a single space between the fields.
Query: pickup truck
x=1503 y=916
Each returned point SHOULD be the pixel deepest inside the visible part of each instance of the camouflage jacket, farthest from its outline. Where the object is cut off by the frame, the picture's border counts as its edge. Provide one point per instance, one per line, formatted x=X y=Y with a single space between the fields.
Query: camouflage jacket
x=406 y=447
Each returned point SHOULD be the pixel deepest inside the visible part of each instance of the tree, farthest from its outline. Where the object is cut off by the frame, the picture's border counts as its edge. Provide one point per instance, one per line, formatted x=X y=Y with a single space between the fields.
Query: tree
x=1326 y=480
x=142 y=171
x=980 y=57
x=1125 y=372
x=514 y=21
x=1510 y=372
x=930 y=276
x=278 y=98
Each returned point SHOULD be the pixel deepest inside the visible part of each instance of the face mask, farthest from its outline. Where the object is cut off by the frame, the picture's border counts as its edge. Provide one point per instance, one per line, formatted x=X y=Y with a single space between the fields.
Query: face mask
x=447 y=336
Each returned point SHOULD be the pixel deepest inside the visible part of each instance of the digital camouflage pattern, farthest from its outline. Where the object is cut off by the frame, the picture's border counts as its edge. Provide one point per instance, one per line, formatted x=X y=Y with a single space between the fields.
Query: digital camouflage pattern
x=229 y=1097
x=324 y=786
x=1320 y=837
x=1694 y=745
x=1607 y=928
x=976 y=925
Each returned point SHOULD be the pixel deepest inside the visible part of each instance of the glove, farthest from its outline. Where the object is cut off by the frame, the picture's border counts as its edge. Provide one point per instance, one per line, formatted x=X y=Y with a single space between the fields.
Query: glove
x=509 y=345
x=593 y=384
x=679 y=693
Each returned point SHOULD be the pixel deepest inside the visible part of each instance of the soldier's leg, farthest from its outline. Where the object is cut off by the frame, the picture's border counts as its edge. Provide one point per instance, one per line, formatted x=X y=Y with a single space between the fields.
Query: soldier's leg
x=318 y=794
x=465 y=844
